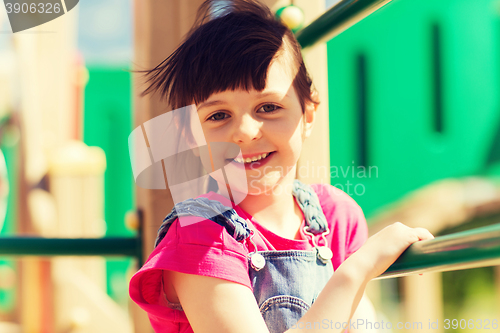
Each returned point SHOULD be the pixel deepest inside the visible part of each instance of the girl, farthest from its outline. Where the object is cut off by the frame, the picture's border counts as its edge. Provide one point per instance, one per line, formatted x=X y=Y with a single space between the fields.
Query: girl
x=258 y=255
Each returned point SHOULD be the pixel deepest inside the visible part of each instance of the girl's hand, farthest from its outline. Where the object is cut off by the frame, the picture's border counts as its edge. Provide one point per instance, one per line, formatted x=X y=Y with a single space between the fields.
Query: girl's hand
x=383 y=248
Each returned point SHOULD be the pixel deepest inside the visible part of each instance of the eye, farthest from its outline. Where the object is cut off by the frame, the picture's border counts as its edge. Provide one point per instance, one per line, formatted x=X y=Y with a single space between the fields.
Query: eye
x=218 y=116
x=269 y=108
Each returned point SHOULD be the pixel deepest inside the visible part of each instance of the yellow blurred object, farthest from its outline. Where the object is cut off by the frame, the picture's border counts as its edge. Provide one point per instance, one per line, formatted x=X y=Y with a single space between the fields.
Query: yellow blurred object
x=77 y=159
x=292 y=17
x=7 y=278
x=81 y=76
x=132 y=220
x=87 y=309
x=43 y=212
x=6 y=327
x=80 y=317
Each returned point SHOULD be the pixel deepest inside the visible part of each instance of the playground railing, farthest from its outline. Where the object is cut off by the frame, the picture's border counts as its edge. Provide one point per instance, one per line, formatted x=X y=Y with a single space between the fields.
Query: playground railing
x=336 y=20
x=39 y=246
x=478 y=247
x=105 y=246
x=463 y=250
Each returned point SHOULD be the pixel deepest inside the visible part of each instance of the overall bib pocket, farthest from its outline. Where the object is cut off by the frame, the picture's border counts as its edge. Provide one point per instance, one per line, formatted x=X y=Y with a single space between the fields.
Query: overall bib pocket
x=287 y=285
x=282 y=312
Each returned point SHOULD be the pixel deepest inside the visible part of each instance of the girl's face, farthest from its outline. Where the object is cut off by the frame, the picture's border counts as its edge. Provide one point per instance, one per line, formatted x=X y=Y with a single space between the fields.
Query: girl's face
x=268 y=126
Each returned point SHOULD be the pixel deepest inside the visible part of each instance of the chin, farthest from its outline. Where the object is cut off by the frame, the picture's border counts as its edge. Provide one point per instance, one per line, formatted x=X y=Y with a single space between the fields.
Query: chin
x=269 y=188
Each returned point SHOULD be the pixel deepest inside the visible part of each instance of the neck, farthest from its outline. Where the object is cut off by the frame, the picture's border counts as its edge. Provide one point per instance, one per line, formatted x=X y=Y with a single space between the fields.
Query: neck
x=276 y=212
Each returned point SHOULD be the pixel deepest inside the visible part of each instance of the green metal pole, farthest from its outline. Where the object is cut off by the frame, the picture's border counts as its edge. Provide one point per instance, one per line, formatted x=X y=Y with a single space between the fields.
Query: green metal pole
x=463 y=250
x=37 y=246
x=468 y=249
x=336 y=20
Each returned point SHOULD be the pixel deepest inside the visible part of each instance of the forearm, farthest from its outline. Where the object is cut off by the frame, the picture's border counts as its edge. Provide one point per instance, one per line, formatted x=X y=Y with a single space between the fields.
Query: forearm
x=364 y=318
x=337 y=301
x=340 y=297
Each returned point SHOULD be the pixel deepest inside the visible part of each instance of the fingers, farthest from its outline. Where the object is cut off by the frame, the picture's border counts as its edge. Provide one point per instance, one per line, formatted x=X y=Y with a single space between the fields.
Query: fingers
x=423 y=234
x=414 y=234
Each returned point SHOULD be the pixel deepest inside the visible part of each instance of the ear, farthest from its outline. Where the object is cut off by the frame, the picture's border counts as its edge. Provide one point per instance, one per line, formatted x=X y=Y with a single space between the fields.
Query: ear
x=310 y=113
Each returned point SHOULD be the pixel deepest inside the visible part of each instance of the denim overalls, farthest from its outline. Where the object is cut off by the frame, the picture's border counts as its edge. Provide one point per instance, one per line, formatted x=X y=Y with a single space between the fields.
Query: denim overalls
x=285 y=283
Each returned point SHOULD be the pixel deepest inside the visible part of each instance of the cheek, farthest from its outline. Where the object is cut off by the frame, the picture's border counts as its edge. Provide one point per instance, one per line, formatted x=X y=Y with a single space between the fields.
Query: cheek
x=286 y=128
x=290 y=147
x=297 y=140
x=297 y=133
x=195 y=127
x=287 y=135
x=214 y=134
x=210 y=132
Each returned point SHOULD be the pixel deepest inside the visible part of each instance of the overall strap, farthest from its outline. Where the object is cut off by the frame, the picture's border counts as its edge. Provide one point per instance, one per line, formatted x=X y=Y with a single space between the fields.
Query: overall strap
x=309 y=203
x=235 y=225
x=210 y=209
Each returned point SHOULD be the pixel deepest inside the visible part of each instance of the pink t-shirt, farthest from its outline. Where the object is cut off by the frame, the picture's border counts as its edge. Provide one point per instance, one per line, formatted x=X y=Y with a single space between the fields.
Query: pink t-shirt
x=205 y=248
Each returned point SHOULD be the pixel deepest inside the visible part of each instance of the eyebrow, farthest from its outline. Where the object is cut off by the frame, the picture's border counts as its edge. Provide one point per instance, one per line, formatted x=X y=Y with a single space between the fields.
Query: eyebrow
x=277 y=93
x=218 y=102
x=211 y=103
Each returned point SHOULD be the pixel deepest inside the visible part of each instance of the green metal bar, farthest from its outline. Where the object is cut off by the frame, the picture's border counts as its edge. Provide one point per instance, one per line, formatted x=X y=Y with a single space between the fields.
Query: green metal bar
x=336 y=20
x=37 y=246
x=463 y=250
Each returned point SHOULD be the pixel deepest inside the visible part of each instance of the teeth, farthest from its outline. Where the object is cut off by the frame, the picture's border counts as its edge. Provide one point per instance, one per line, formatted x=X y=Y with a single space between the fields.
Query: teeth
x=250 y=160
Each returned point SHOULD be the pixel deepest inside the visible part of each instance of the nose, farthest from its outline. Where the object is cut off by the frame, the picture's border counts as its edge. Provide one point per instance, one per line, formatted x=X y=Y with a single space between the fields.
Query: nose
x=247 y=129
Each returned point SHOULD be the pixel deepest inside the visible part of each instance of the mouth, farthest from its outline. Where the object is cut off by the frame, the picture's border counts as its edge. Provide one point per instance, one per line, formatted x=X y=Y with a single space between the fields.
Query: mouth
x=261 y=158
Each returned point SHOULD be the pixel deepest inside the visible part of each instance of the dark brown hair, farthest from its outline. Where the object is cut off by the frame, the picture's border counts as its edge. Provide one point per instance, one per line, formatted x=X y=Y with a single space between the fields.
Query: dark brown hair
x=230 y=46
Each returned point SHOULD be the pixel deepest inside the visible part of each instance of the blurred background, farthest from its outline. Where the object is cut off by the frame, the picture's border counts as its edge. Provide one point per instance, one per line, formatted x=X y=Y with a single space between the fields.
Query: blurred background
x=410 y=129
x=65 y=104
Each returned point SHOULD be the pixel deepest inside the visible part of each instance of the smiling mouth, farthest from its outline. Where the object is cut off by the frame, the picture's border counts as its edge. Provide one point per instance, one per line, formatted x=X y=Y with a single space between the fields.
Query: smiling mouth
x=257 y=158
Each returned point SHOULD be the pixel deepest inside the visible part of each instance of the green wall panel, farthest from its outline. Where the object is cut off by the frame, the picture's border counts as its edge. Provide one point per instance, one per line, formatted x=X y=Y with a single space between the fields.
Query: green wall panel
x=8 y=295
x=107 y=124
x=401 y=136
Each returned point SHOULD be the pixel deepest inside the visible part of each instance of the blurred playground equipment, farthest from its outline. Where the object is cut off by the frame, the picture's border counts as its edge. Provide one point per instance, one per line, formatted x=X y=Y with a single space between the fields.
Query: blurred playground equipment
x=408 y=126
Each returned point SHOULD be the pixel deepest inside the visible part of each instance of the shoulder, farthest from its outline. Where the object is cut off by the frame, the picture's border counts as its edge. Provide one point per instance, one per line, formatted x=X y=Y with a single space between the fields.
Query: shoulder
x=192 y=245
x=207 y=220
x=192 y=242
x=345 y=218
x=334 y=200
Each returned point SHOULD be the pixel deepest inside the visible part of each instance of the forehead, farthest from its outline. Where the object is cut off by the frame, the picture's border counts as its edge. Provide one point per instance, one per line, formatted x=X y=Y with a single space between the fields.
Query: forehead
x=279 y=82
x=279 y=77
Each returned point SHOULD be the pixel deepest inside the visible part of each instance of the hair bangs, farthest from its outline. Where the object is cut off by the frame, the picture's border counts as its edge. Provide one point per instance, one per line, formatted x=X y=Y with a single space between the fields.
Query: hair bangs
x=230 y=47
x=230 y=60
